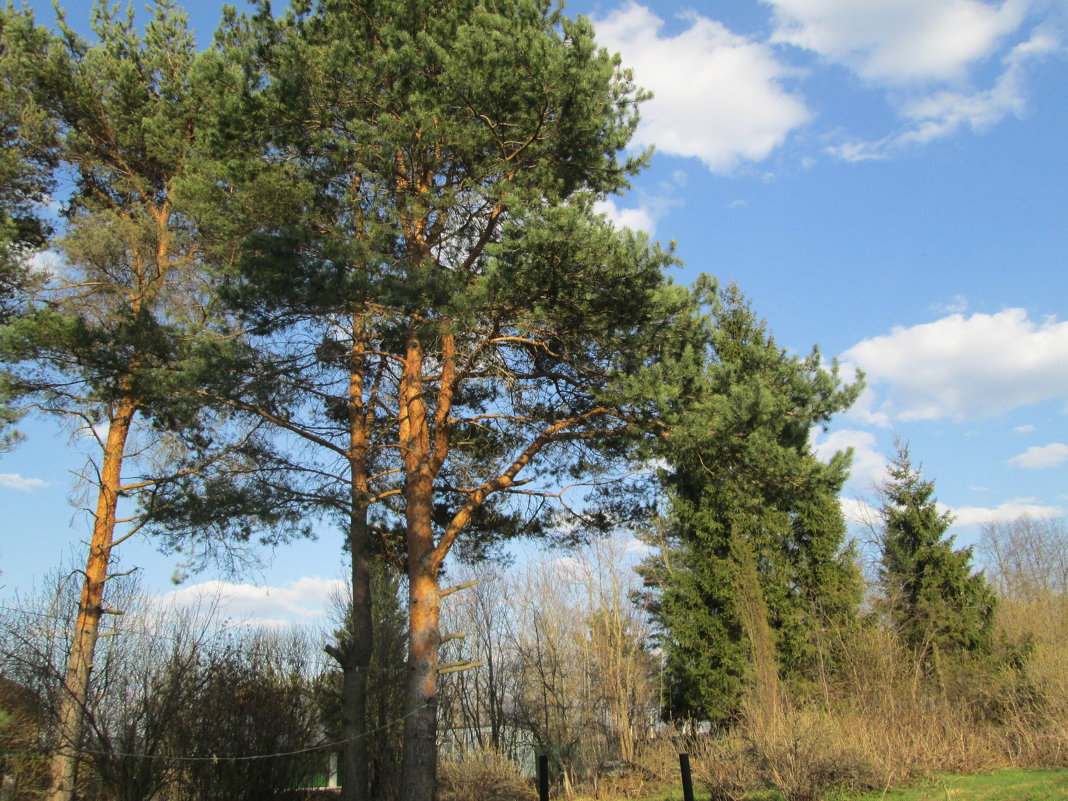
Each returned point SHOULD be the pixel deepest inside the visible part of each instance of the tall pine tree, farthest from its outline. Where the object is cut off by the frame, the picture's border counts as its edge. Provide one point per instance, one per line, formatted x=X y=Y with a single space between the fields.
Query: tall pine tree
x=110 y=340
x=443 y=274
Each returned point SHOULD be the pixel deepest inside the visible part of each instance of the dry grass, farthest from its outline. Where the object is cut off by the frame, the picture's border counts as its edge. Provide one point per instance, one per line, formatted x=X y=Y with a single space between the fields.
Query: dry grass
x=723 y=767
x=483 y=776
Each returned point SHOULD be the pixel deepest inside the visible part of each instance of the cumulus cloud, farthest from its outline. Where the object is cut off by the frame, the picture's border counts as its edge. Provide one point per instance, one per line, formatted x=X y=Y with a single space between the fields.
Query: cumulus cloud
x=302 y=601
x=962 y=367
x=637 y=219
x=868 y=468
x=718 y=96
x=48 y=262
x=1003 y=513
x=898 y=41
x=936 y=114
x=1039 y=456
x=20 y=483
x=859 y=512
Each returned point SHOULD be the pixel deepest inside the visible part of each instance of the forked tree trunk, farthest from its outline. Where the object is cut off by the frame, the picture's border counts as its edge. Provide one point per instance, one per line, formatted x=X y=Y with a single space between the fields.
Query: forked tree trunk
x=75 y=689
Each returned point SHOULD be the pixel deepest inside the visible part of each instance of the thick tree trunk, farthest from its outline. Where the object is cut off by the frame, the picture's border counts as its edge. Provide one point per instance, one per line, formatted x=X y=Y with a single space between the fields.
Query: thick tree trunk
x=419 y=771
x=75 y=690
x=421 y=724
x=361 y=626
x=357 y=656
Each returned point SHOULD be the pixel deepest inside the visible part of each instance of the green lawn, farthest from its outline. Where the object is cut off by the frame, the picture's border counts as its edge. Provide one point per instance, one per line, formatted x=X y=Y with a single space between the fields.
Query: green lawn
x=1001 y=785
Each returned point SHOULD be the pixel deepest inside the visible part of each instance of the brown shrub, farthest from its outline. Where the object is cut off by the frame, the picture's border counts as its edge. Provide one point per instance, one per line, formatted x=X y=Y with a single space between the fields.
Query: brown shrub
x=804 y=752
x=484 y=775
x=724 y=767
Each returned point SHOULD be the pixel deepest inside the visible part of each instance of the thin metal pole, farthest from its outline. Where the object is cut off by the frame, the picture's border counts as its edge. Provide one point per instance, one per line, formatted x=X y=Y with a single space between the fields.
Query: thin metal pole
x=543 y=777
x=687 y=780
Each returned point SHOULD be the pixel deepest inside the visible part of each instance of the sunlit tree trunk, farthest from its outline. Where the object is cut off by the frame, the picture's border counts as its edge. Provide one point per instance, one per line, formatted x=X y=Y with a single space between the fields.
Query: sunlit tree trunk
x=424 y=594
x=75 y=691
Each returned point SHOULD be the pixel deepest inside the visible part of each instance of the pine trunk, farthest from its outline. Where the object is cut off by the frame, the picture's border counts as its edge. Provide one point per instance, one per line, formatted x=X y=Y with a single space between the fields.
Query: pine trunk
x=361 y=646
x=354 y=785
x=420 y=726
x=75 y=692
x=419 y=770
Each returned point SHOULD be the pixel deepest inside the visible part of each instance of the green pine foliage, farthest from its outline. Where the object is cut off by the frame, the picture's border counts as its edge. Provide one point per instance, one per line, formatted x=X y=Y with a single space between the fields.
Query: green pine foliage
x=126 y=325
x=439 y=184
x=935 y=601
x=753 y=560
x=25 y=181
x=415 y=247
x=120 y=122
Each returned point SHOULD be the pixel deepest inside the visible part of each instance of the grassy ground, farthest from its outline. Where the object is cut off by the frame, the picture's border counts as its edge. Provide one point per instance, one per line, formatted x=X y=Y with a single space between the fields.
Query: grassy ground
x=1002 y=785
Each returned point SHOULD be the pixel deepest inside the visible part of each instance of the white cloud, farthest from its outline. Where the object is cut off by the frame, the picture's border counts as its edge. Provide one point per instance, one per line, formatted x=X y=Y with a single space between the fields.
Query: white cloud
x=936 y=114
x=16 y=482
x=637 y=219
x=1039 y=456
x=1027 y=429
x=869 y=465
x=898 y=41
x=958 y=304
x=651 y=206
x=97 y=433
x=304 y=600
x=1003 y=513
x=717 y=96
x=49 y=262
x=858 y=512
x=962 y=367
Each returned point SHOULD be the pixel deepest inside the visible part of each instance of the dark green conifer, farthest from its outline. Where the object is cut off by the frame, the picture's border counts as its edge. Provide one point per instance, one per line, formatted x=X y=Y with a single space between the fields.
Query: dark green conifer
x=754 y=561
x=936 y=603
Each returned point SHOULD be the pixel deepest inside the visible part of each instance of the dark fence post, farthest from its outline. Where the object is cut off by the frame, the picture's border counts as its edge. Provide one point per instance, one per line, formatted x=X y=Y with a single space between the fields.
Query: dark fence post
x=687 y=781
x=543 y=777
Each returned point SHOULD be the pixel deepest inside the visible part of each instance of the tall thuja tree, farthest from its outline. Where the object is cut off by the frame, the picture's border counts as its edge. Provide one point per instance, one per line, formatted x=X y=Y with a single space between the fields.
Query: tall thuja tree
x=935 y=601
x=752 y=556
x=448 y=267
x=105 y=345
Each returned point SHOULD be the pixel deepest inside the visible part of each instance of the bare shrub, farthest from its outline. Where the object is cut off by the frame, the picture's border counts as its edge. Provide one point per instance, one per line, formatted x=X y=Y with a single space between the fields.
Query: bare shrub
x=658 y=758
x=724 y=767
x=908 y=721
x=655 y=768
x=803 y=752
x=485 y=775
x=23 y=764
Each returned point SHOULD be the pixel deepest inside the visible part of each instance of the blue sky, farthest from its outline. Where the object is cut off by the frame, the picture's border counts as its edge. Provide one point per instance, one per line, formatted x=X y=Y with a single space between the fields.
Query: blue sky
x=887 y=179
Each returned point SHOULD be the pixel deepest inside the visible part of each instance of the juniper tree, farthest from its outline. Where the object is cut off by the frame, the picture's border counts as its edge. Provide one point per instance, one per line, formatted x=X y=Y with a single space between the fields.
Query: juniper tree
x=751 y=558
